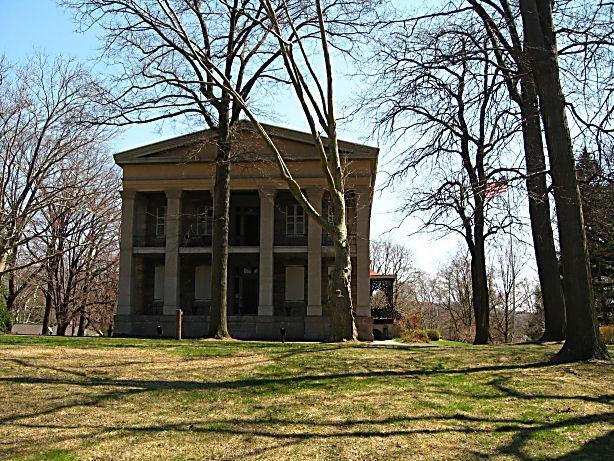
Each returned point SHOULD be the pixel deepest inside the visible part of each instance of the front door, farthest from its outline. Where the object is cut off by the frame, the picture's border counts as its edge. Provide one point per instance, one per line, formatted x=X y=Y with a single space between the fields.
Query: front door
x=246 y=290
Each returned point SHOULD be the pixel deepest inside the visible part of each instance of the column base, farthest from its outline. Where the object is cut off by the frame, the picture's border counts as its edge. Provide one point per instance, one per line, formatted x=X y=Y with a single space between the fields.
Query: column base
x=314 y=311
x=265 y=310
x=169 y=310
x=364 y=325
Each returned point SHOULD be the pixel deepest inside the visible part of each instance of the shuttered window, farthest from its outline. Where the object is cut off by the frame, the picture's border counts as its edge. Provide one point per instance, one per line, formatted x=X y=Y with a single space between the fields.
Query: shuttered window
x=295 y=283
x=202 y=283
x=159 y=283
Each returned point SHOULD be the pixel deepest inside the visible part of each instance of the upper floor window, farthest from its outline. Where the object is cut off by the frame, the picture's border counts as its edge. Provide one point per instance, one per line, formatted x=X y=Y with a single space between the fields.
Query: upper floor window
x=160 y=220
x=204 y=220
x=295 y=220
x=330 y=212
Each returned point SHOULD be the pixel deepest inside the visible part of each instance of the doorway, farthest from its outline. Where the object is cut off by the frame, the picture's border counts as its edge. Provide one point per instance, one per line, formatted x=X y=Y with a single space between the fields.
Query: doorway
x=246 y=283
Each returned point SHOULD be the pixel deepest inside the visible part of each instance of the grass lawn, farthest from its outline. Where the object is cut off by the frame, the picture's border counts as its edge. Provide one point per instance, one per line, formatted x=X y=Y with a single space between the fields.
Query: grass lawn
x=67 y=399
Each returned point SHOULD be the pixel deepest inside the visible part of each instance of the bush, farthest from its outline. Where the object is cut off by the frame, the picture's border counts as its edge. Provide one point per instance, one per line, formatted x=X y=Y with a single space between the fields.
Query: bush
x=607 y=333
x=410 y=322
x=6 y=319
x=415 y=336
x=433 y=334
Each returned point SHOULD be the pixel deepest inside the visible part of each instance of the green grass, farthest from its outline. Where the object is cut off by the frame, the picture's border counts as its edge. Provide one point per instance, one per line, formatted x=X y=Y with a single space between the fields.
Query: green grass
x=68 y=399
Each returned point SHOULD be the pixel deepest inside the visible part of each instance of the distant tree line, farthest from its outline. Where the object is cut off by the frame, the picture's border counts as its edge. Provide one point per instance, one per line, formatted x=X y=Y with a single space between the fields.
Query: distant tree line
x=59 y=202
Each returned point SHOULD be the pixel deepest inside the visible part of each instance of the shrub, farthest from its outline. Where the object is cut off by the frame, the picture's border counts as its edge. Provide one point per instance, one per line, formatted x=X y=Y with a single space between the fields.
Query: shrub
x=6 y=320
x=415 y=336
x=607 y=333
x=433 y=334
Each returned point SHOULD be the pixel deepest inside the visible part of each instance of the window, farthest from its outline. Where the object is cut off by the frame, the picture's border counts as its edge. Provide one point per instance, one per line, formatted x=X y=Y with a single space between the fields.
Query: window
x=295 y=283
x=159 y=283
x=160 y=220
x=202 y=283
x=330 y=213
x=295 y=220
x=204 y=220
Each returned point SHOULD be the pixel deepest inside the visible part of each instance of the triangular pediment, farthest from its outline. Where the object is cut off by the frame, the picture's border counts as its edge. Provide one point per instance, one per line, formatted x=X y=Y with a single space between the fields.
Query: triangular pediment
x=247 y=145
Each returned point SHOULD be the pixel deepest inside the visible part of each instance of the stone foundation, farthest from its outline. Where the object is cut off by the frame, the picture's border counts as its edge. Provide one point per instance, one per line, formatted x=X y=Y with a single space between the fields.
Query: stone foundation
x=240 y=327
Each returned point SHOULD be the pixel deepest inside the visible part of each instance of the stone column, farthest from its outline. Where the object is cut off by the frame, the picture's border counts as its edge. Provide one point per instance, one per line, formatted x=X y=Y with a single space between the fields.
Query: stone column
x=265 y=269
x=363 y=296
x=171 y=263
x=124 y=295
x=314 y=256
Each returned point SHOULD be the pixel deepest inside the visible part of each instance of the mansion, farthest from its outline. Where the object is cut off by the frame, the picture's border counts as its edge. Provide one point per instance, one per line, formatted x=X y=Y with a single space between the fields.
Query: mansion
x=279 y=258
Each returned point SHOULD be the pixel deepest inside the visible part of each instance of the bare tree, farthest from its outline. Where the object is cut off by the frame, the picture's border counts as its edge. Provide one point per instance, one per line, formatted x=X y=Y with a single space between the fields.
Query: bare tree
x=169 y=51
x=43 y=104
x=440 y=93
x=511 y=292
x=583 y=340
x=82 y=235
x=453 y=290
x=390 y=258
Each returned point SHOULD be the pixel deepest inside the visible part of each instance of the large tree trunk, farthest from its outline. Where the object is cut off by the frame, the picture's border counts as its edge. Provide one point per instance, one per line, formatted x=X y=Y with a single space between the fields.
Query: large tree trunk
x=340 y=291
x=218 y=319
x=583 y=340
x=479 y=286
x=539 y=212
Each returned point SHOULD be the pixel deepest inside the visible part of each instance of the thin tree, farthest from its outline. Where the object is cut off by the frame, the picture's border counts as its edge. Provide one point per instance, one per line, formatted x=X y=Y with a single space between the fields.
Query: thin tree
x=82 y=234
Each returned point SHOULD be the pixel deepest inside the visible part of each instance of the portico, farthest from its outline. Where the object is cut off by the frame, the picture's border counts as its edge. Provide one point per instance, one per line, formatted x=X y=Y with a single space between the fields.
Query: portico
x=279 y=258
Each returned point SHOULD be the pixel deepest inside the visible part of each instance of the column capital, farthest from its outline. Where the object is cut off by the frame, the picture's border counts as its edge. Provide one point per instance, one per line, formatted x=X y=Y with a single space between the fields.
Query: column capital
x=173 y=194
x=267 y=193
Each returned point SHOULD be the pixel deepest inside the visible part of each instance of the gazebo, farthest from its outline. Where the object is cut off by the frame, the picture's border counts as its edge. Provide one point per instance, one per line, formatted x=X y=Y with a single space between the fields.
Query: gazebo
x=383 y=316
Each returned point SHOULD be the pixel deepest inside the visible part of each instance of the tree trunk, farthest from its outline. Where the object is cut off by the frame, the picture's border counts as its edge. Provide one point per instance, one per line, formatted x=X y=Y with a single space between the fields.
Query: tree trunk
x=479 y=286
x=218 y=319
x=583 y=340
x=539 y=212
x=62 y=326
x=47 y=315
x=340 y=291
x=10 y=299
x=81 y=329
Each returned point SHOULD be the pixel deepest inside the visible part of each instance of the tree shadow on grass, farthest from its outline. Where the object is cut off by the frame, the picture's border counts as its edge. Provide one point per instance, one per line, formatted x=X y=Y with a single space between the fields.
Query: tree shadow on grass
x=599 y=449
x=287 y=432
x=276 y=429
x=260 y=383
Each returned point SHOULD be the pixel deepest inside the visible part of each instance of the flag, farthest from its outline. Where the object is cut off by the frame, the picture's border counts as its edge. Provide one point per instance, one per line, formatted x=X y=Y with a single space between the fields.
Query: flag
x=494 y=189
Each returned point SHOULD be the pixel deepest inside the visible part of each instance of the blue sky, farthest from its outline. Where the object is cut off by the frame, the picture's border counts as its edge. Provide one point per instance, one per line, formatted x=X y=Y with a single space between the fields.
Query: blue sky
x=26 y=25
